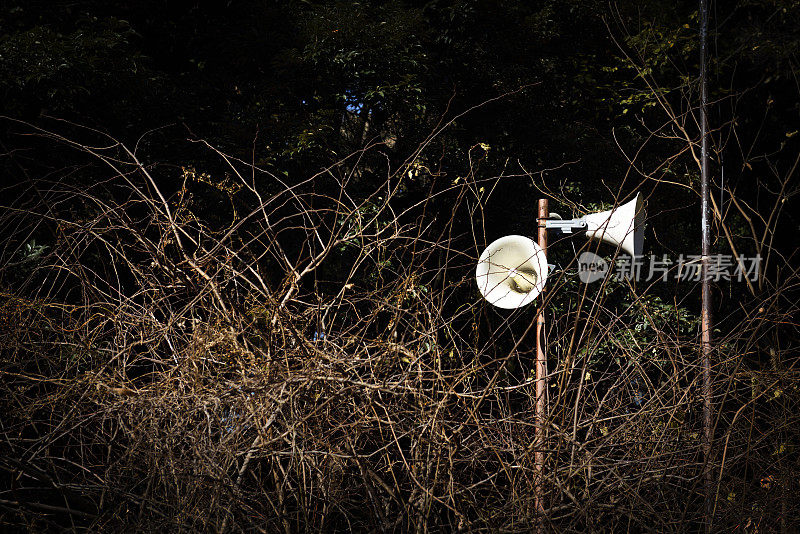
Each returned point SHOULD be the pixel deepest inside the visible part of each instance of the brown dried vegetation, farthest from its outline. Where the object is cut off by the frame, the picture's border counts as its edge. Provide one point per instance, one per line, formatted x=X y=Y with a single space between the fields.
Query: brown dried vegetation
x=324 y=364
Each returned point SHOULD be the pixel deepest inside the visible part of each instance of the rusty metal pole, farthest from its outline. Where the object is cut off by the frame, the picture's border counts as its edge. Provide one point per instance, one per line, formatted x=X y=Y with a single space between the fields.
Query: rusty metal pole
x=541 y=373
x=705 y=314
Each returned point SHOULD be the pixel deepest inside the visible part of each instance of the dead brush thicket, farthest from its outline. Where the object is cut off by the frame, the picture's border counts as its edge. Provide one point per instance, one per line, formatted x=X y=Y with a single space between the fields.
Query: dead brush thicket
x=323 y=362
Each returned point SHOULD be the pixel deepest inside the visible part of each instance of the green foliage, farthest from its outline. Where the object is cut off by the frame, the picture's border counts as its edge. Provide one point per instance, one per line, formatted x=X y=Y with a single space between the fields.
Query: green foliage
x=65 y=71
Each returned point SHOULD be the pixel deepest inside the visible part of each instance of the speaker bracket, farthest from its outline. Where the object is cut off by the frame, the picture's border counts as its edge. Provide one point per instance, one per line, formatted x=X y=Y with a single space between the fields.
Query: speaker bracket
x=565 y=226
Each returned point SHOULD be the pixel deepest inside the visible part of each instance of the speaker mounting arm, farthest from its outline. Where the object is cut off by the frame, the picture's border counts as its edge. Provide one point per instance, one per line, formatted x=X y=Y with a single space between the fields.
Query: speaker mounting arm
x=565 y=226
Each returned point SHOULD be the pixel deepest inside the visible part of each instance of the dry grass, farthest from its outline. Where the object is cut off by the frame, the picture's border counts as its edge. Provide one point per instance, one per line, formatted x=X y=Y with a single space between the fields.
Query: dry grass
x=319 y=363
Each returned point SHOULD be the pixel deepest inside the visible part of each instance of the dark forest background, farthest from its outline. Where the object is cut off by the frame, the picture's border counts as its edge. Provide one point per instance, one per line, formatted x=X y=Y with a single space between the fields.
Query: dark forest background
x=237 y=268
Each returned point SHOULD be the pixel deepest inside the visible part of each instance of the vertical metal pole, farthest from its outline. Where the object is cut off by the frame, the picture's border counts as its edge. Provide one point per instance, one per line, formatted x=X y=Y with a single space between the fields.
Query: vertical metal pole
x=705 y=314
x=541 y=373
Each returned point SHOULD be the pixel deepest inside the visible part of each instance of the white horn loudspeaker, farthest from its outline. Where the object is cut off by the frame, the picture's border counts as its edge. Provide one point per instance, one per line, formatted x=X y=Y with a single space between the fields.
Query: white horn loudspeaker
x=511 y=272
x=622 y=226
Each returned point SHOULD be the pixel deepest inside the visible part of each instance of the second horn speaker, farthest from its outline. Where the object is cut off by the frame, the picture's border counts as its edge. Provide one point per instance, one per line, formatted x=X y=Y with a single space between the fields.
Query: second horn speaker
x=622 y=226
